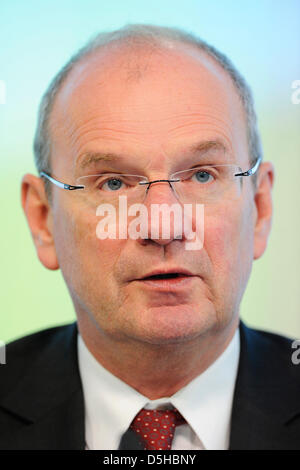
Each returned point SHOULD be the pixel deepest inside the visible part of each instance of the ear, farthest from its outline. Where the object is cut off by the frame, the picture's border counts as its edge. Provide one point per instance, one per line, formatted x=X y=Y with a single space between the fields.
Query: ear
x=40 y=219
x=264 y=208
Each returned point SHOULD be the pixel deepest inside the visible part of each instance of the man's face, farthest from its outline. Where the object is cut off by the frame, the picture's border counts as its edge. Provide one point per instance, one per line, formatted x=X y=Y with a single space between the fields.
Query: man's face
x=150 y=111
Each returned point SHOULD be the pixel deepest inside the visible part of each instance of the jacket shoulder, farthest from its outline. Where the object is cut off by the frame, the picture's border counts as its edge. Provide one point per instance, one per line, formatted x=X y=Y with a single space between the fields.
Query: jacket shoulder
x=269 y=367
x=24 y=353
x=272 y=350
x=266 y=409
x=267 y=338
x=41 y=397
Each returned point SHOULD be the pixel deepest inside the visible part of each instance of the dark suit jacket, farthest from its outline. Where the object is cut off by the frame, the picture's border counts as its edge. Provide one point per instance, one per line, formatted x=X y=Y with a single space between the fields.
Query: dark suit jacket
x=42 y=407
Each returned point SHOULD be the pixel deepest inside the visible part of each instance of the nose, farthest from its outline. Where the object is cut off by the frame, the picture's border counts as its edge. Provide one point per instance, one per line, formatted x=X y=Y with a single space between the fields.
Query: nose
x=164 y=213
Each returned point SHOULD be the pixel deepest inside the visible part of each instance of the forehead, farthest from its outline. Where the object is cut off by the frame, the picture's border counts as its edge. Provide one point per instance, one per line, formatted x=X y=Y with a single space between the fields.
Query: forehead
x=142 y=97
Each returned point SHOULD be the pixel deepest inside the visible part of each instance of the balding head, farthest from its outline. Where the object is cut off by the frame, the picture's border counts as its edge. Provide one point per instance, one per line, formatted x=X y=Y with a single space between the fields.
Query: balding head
x=134 y=46
x=140 y=94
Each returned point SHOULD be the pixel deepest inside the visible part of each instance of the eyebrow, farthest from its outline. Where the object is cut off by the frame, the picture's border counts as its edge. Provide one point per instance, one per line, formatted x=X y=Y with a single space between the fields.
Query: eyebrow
x=208 y=145
x=94 y=157
x=89 y=158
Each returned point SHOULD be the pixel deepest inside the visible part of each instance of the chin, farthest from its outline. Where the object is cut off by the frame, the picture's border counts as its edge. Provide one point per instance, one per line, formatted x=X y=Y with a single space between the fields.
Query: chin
x=176 y=324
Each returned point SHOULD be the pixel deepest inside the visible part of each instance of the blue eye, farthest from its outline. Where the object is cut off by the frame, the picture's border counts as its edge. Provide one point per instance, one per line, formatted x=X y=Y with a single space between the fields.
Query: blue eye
x=202 y=176
x=113 y=184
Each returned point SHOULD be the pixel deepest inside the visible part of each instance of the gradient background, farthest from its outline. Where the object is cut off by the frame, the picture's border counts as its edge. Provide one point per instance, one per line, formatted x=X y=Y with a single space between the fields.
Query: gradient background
x=262 y=37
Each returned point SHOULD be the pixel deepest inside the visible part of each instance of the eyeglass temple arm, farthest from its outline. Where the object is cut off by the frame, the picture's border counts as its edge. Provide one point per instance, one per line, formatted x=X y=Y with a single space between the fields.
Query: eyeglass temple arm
x=252 y=170
x=59 y=183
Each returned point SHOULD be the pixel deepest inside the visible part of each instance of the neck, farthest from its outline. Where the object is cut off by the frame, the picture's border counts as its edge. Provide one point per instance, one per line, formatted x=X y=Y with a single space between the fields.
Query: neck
x=156 y=370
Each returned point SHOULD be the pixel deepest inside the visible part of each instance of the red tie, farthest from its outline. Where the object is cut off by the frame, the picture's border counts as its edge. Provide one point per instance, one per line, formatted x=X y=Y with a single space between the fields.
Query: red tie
x=156 y=428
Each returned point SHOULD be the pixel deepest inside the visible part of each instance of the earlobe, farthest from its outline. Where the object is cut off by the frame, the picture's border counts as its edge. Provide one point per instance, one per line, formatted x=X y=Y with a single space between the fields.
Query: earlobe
x=264 y=208
x=39 y=217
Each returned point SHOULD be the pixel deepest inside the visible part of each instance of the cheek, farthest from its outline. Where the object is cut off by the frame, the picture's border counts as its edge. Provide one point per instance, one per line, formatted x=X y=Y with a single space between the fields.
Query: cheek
x=84 y=259
x=219 y=240
x=229 y=244
x=98 y=257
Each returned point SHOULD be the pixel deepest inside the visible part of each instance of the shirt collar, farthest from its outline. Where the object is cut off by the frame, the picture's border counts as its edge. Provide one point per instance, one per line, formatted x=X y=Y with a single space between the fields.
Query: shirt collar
x=205 y=402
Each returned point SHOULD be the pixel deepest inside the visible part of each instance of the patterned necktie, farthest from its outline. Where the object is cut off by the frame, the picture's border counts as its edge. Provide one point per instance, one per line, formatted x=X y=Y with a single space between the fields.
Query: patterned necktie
x=156 y=428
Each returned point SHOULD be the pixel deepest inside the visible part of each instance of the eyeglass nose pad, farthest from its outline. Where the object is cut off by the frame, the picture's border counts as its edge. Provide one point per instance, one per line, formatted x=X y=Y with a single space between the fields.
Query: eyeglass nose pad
x=162 y=181
x=173 y=186
x=159 y=181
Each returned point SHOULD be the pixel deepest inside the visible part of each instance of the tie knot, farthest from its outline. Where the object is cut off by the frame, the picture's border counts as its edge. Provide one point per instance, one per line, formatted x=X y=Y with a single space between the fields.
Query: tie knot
x=156 y=428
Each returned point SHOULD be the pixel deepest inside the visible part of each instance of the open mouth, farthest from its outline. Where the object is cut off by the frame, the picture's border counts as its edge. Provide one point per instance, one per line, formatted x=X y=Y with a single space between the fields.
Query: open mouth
x=164 y=276
x=167 y=281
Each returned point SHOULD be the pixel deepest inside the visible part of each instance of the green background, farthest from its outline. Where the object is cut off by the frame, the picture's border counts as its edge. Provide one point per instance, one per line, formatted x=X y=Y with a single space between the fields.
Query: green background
x=262 y=38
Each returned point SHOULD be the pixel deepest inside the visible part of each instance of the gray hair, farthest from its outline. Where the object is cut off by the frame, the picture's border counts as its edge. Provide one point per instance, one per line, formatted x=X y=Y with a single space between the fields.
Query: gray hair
x=144 y=35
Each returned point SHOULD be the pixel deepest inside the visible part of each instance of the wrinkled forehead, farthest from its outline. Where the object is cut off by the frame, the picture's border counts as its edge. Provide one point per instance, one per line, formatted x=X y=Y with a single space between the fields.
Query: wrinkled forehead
x=147 y=94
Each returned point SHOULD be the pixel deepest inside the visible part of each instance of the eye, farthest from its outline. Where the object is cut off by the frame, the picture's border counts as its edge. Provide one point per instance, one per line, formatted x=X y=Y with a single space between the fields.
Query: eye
x=112 y=184
x=202 y=176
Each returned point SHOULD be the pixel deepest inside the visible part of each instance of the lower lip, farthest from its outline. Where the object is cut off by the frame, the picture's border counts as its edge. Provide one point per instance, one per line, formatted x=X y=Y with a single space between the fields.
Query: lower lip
x=168 y=284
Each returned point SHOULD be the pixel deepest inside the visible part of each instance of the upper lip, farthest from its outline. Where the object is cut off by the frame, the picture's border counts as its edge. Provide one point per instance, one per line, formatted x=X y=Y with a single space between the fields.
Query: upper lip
x=168 y=271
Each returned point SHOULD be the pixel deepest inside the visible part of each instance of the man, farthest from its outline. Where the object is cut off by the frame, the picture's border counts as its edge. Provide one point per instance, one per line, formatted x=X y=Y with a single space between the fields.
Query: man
x=158 y=344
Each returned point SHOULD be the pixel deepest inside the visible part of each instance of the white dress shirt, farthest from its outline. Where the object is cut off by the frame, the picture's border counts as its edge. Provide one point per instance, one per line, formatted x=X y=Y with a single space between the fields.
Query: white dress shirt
x=205 y=403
